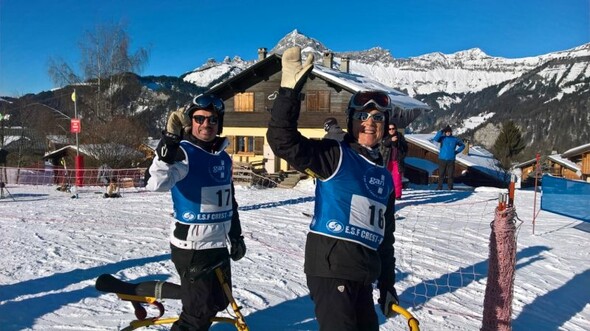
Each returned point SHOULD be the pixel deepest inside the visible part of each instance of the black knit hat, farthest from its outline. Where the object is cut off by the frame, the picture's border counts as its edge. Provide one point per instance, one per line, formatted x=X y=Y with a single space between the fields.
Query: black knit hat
x=447 y=129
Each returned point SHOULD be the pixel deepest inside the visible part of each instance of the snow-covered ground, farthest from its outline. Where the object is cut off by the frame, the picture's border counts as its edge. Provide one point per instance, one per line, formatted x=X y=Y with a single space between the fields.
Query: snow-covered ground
x=54 y=248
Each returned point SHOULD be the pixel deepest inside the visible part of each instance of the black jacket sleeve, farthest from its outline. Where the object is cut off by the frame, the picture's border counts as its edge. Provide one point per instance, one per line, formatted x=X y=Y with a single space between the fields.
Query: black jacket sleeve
x=386 y=250
x=317 y=158
x=236 y=227
x=402 y=144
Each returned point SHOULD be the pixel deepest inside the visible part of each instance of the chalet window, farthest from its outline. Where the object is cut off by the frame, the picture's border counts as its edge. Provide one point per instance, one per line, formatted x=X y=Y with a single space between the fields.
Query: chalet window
x=244 y=101
x=317 y=101
x=245 y=145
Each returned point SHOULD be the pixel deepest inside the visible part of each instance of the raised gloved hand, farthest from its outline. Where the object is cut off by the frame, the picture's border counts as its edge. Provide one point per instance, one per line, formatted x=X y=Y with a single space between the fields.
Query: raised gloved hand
x=238 y=248
x=179 y=123
x=387 y=297
x=294 y=73
x=168 y=147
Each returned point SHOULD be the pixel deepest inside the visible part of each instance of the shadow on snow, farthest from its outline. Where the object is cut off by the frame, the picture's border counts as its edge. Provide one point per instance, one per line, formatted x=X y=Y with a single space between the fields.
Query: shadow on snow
x=18 y=315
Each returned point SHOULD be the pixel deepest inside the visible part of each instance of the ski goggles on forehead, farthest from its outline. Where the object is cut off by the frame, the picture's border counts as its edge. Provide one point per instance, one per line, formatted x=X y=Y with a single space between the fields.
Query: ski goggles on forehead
x=362 y=100
x=208 y=101
x=364 y=116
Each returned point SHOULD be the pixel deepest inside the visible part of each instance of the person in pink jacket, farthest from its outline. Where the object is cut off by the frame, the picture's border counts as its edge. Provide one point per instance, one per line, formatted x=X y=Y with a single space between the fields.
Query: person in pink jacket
x=394 y=152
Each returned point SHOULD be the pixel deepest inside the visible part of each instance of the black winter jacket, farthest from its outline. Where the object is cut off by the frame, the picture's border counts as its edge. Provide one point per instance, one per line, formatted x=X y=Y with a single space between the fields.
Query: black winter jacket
x=401 y=146
x=326 y=256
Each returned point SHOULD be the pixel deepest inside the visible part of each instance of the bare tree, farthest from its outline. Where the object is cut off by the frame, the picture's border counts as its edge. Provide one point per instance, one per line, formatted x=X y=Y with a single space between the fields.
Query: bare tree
x=105 y=59
x=115 y=144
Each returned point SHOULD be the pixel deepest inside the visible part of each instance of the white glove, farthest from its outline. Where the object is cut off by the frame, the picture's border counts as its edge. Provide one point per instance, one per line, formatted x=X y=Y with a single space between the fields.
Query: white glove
x=294 y=73
x=179 y=123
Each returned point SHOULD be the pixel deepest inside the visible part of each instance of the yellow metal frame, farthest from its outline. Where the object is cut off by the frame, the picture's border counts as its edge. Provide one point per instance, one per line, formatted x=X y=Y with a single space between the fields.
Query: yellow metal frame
x=239 y=322
x=413 y=323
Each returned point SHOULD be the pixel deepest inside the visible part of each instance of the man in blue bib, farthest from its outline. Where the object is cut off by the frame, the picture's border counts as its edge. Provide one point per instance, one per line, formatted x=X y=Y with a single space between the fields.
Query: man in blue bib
x=350 y=243
x=192 y=163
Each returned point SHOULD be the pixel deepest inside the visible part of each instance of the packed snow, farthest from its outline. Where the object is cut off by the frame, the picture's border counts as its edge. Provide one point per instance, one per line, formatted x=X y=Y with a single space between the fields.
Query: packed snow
x=55 y=247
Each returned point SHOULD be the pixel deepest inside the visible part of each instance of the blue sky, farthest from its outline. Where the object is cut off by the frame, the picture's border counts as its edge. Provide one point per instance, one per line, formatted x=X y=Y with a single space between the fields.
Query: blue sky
x=182 y=35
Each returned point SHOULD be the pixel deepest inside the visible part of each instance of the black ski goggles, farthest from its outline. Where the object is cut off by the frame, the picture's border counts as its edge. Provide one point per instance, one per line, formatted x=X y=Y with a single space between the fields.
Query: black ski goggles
x=366 y=99
x=208 y=102
x=201 y=119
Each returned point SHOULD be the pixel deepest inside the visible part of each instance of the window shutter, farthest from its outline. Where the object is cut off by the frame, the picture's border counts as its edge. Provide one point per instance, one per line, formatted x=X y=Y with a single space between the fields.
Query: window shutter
x=259 y=145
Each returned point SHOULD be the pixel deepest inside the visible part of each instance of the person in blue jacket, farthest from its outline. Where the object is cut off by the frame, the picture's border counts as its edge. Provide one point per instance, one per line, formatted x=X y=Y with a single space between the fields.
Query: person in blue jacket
x=449 y=147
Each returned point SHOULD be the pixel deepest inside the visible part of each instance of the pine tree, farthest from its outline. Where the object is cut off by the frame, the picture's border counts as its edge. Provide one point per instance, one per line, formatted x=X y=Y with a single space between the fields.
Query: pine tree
x=508 y=144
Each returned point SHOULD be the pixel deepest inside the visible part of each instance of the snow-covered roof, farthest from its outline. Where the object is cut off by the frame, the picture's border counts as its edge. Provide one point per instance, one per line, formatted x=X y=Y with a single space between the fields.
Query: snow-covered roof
x=576 y=150
x=90 y=150
x=355 y=83
x=478 y=158
x=10 y=139
x=423 y=164
x=559 y=159
x=58 y=139
x=524 y=164
x=152 y=143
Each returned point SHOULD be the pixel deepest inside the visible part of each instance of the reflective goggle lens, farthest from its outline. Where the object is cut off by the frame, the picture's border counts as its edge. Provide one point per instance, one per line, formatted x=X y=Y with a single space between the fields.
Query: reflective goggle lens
x=208 y=101
x=364 y=116
x=362 y=99
x=201 y=119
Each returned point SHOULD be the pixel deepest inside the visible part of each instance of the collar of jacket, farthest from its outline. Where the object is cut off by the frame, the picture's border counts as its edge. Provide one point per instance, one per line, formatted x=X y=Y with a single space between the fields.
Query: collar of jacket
x=373 y=155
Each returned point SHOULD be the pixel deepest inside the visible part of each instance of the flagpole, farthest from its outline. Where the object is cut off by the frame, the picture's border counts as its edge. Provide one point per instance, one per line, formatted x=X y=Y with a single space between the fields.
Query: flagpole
x=76 y=117
x=75 y=99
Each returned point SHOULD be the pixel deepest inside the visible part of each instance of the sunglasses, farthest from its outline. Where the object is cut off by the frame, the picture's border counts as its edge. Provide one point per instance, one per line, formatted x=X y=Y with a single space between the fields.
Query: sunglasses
x=208 y=101
x=201 y=119
x=362 y=100
x=364 y=116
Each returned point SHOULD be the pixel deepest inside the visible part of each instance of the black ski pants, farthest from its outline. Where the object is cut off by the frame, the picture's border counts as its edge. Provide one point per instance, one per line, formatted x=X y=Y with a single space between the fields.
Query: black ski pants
x=343 y=305
x=446 y=167
x=202 y=297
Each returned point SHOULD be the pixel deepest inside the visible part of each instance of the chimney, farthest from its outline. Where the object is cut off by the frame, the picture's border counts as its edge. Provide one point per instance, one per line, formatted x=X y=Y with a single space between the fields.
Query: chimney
x=328 y=57
x=467 y=145
x=261 y=53
x=345 y=65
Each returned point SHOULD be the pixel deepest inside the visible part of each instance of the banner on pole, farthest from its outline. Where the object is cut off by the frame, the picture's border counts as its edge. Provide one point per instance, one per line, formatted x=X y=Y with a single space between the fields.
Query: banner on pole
x=75 y=125
x=566 y=197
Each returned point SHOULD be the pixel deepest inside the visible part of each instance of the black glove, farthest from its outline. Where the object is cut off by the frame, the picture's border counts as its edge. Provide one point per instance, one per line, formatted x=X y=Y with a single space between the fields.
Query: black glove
x=168 y=146
x=387 y=297
x=238 y=248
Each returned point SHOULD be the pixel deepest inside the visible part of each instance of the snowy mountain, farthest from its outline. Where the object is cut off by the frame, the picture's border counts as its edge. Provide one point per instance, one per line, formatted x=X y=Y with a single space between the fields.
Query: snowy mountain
x=547 y=96
x=465 y=71
x=471 y=90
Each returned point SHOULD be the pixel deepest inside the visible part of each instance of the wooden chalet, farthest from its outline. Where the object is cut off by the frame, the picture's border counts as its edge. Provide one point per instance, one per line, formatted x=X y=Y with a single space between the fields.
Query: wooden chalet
x=249 y=97
x=580 y=156
x=571 y=164
x=89 y=152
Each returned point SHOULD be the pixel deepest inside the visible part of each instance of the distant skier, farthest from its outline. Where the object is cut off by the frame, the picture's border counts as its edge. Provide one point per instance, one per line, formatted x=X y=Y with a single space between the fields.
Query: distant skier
x=449 y=147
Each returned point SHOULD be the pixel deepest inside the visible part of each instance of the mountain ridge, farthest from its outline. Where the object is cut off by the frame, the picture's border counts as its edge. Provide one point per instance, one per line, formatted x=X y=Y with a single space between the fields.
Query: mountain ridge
x=547 y=96
x=469 y=86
